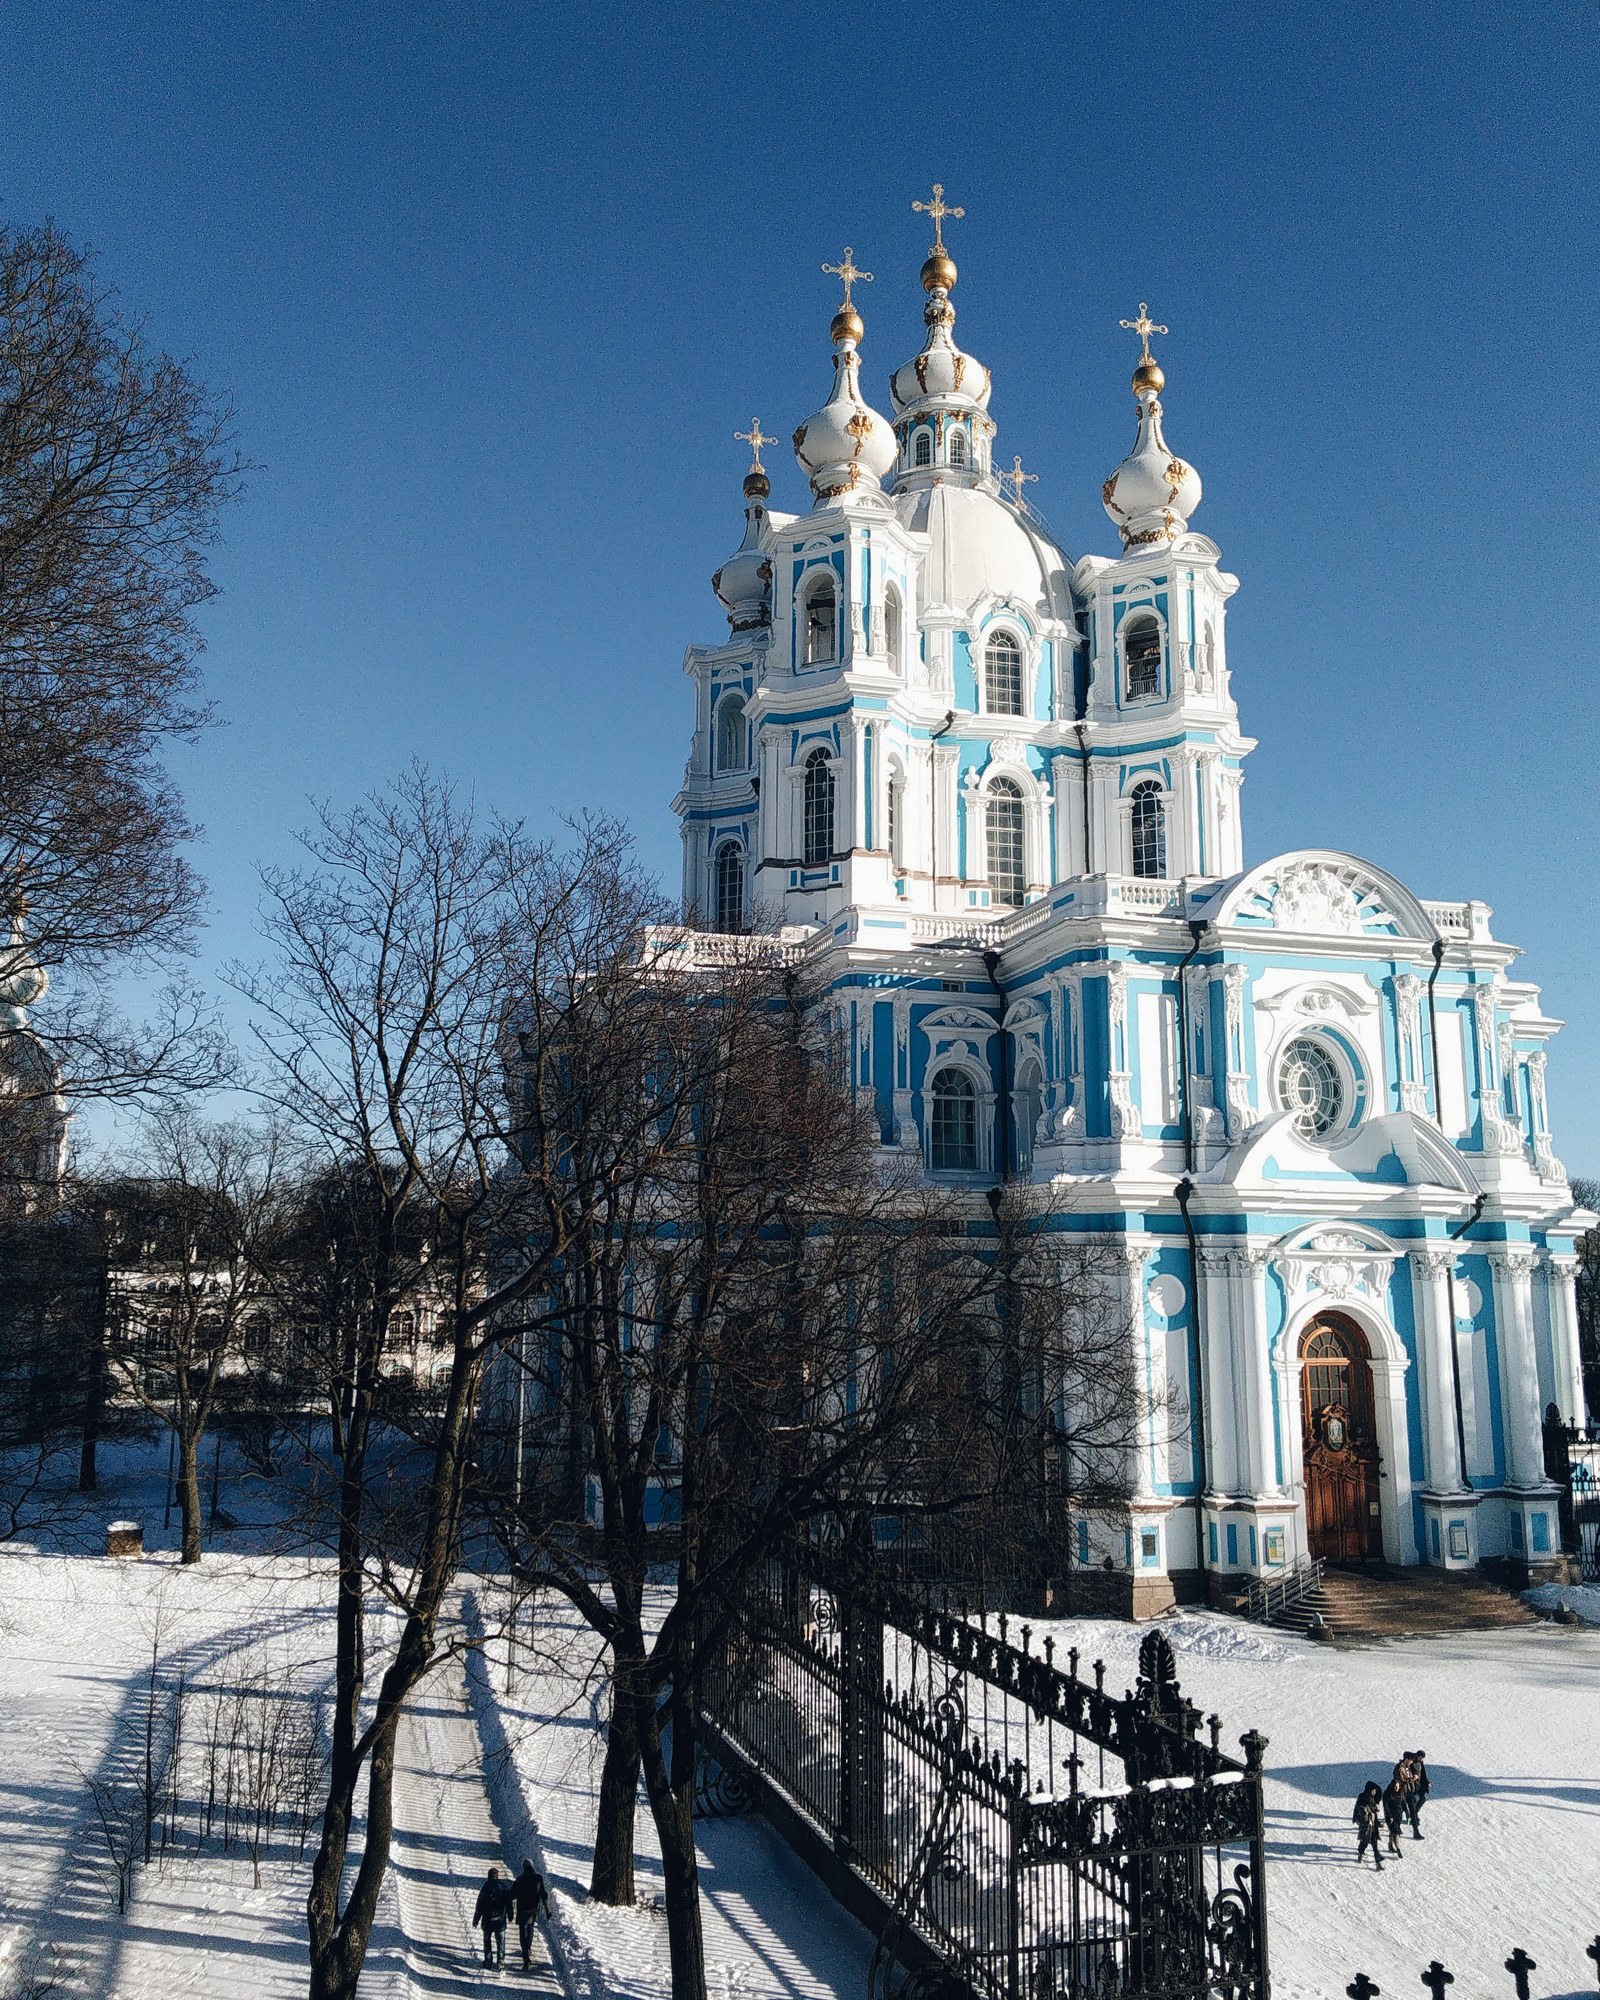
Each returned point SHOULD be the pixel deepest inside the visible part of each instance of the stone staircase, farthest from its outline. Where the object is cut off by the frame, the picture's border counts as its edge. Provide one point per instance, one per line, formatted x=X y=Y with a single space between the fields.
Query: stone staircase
x=1378 y=1602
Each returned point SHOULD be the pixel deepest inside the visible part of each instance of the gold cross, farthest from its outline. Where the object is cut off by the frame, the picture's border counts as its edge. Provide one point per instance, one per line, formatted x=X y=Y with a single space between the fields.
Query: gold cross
x=1144 y=326
x=1016 y=479
x=847 y=273
x=936 y=211
x=755 y=437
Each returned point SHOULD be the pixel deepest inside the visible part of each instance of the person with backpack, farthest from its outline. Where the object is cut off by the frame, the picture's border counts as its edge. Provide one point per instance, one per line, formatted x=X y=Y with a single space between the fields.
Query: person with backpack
x=529 y=1897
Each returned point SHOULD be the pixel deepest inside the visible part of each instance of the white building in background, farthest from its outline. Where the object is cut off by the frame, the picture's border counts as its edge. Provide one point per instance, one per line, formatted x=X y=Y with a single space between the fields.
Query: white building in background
x=995 y=792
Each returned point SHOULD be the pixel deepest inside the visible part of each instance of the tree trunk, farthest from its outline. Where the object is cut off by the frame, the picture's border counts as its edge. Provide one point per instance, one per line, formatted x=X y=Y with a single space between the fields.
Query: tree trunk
x=672 y=1809
x=339 y=1941
x=94 y=1404
x=612 y=1878
x=189 y=1494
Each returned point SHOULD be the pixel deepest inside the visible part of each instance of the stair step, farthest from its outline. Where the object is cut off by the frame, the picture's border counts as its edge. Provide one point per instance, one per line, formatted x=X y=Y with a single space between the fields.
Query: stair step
x=1381 y=1602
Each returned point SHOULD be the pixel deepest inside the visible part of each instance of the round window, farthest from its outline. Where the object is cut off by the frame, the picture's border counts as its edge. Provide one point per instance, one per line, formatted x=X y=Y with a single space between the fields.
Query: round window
x=1311 y=1086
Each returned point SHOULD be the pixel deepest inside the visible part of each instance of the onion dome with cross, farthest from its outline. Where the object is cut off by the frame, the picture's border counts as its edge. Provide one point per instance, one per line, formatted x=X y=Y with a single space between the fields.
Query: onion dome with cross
x=845 y=447
x=23 y=982
x=1152 y=493
x=941 y=397
x=744 y=582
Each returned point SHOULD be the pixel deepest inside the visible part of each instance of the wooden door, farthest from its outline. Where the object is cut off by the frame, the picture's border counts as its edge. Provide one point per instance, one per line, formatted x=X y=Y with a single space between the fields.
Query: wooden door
x=1340 y=1444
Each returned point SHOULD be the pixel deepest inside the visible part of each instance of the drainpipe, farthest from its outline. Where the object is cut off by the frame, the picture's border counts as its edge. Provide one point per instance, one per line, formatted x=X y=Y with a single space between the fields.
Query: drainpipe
x=991 y=961
x=933 y=806
x=1183 y=1191
x=1455 y=1234
x=1083 y=772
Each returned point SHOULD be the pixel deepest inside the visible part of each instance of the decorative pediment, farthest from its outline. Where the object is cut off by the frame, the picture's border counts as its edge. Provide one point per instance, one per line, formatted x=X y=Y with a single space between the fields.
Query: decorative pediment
x=1334 y=1262
x=1319 y=893
x=1320 y=1000
x=959 y=1031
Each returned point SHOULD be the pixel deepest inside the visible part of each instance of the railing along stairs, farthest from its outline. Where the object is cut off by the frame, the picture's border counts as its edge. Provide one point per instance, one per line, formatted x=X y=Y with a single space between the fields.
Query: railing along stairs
x=1268 y=1598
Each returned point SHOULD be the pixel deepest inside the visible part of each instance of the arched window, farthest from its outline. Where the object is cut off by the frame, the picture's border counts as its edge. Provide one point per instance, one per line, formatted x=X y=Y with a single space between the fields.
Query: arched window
x=1149 y=821
x=819 y=809
x=953 y=1123
x=891 y=625
x=922 y=448
x=733 y=739
x=1141 y=654
x=730 y=887
x=958 y=447
x=1027 y=1104
x=1006 y=875
x=897 y=815
x=1002 y=675
x=822 y=623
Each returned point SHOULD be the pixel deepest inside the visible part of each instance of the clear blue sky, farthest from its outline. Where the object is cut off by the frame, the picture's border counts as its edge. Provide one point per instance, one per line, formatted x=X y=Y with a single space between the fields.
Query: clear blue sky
x=493 y=286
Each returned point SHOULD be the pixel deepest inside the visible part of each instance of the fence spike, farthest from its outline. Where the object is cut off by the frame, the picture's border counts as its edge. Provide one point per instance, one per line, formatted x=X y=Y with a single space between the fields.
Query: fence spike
x=1049 y=1650
x=1027 y=1638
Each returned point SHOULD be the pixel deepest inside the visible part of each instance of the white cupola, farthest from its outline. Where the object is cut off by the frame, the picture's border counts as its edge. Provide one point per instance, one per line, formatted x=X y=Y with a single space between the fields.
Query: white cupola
x=744 y=582
x=1153 y=492
x=846 y=447
x=941 y=396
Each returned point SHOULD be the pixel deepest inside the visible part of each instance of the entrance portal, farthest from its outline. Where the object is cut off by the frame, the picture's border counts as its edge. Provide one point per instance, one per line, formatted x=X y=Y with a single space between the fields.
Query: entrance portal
x=1339 y=1441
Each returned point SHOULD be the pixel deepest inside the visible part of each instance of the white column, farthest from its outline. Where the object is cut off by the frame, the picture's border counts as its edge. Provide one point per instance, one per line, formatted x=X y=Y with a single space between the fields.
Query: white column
x=1217 y=1373
x=1436 y=1376
x=1257 y=1373
x=1564 y=1337
x=857 y=760
x=1520 y=1414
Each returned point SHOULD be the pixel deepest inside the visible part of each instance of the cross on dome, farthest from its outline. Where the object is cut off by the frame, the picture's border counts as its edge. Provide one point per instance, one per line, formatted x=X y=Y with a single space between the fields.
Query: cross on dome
x=847 y=273
x=1016 y=479
x=756 y=437
x=1144 y=326
x=936 y=211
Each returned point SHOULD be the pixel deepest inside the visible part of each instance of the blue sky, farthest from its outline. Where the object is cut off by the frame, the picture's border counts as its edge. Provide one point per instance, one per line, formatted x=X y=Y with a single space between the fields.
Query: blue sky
x=492 y=286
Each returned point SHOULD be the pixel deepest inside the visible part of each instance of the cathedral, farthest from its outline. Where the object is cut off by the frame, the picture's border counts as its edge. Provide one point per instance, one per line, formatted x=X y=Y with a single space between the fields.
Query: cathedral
x=990 y=797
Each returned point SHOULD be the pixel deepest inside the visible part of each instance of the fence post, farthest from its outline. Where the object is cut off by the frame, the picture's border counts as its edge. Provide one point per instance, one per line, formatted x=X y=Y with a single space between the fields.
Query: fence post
x=861 y=1729
x=1255 y=1750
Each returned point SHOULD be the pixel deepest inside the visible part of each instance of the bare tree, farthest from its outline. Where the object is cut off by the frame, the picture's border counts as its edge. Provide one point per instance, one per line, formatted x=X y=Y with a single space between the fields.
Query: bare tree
x=402 y=948
x=192 y=1231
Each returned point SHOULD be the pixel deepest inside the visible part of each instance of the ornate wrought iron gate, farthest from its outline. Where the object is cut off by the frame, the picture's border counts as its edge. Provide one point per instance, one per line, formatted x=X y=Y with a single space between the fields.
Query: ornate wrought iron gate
x=1040 y=1835
x=1572 y=1461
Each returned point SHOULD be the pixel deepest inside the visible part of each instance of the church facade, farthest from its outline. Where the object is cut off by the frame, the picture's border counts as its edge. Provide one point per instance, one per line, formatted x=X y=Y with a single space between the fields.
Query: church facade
x=991 y=797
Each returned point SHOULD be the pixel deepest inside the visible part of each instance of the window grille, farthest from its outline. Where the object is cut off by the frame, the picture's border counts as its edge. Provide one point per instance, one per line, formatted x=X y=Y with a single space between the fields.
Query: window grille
x=818 y=810
x=1006 y=873
x=1310 y=1086
x=821 y=623
x=1149 y=821
x=1003 y=675
x=953 y=1138
x=958 y=448
x=730 y=887
x=1141 y=653
x=922 y=450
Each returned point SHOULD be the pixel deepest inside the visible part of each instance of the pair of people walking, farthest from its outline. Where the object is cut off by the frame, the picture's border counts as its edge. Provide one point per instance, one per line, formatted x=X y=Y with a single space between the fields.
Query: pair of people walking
x=499 y=1901
x=1391 y=1806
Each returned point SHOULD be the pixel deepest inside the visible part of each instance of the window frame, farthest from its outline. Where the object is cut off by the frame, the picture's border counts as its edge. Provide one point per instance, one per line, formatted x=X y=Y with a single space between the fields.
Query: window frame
x=726 y=848
x=922 y=449
x=1147 y=792
x=820 y=585
x=731 y=699
x=934 y=1098
x=1346 y=1083
x=818 y=785
x=1132 y=622
x=1006 y=792
x=1003 y=636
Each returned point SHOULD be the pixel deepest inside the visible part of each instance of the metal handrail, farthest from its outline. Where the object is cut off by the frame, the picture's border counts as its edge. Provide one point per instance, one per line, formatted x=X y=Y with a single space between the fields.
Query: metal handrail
x=1266 y=1596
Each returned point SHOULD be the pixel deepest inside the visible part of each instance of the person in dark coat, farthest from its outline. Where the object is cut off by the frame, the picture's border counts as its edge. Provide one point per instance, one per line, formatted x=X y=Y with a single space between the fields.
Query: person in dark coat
x=1394 y=1810
x=1417 y=1789
x=1368 y=1815
x=490 y=1913
x=529 y=1896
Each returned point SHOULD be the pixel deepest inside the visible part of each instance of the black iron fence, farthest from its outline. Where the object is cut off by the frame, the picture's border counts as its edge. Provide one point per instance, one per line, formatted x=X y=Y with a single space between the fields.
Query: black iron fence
x=1028 y=1833
x=1572 y=1460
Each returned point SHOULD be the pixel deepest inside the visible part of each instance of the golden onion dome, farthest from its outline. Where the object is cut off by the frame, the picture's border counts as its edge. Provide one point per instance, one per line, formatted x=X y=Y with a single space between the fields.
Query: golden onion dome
x=939 y=272
x=757 y=486
x=1148 y=375
x=847 y=325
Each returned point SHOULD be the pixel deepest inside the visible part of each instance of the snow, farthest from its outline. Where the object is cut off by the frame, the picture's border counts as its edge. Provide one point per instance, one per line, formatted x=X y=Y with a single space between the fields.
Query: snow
x=1581 y=1599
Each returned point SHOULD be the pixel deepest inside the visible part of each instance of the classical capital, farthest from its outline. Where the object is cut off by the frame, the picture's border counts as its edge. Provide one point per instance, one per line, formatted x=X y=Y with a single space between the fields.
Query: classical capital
x=1432 y=1262
x=1511 y=1259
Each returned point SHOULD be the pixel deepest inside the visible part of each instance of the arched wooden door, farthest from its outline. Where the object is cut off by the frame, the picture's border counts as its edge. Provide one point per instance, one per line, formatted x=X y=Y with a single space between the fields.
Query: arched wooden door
x=1340 y=1443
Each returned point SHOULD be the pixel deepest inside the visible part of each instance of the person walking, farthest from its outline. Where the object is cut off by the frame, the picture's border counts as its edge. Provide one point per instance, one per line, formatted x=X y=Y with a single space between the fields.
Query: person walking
x=489 y=1913
x=1367 y=1816
x=529 y=1897
x=1394 y=1810
x=1417 y=1789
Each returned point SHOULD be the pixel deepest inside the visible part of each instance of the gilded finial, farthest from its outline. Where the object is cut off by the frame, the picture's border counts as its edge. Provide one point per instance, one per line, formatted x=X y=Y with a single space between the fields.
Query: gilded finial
x=755 y=437
x=847 y=273
x=1148 y=374
x=1016 y=479
x=939 y=272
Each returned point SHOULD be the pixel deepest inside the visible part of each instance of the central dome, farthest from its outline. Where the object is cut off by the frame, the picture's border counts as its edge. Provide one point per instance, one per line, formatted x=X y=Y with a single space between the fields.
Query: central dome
x=979 y=546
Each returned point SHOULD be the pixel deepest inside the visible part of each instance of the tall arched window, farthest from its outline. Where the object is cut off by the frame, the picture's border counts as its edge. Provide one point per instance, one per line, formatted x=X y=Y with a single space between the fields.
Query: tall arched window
x=897 y=816
x=1027 y=1103
x=1149 y=821
x=1006 y=874
x=891 y=625
x=1141 y=654
x=733 y=739
x=922 y=448
x=730 y=886
x=819 y=809
x=822 y=622
x=958 y=447
x=953 y=1123
x=1002 y=675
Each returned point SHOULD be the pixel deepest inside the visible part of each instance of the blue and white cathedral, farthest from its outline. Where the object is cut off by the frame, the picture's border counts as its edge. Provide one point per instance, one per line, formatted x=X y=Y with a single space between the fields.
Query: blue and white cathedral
x=990 y=797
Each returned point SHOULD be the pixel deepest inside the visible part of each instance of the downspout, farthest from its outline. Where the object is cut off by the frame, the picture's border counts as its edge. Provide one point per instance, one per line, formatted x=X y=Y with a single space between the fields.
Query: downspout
x=1455 y=1234
x=933 y=807
x=991 y=961
x=1083 y=772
